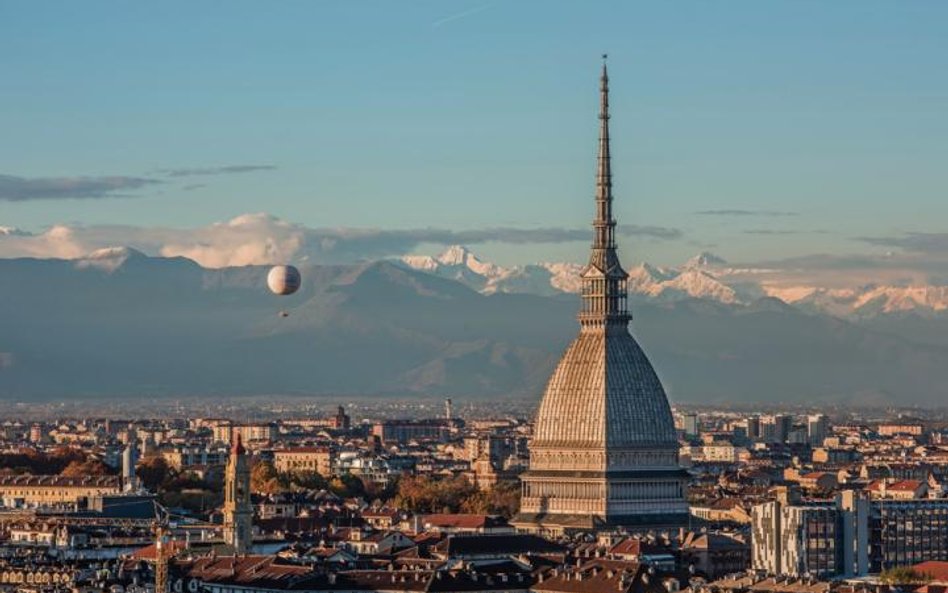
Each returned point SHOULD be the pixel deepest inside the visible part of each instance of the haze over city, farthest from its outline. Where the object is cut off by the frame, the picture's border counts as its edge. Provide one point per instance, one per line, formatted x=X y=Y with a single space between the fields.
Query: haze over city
x=777 y=167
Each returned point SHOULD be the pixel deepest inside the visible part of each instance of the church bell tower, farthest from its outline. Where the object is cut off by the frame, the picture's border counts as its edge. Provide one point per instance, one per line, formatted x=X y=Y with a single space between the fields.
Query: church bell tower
x=238 y=510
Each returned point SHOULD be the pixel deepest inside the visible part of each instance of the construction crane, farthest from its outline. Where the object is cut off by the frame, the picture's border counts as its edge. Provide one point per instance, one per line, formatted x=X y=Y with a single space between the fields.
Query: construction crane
x=163 y=549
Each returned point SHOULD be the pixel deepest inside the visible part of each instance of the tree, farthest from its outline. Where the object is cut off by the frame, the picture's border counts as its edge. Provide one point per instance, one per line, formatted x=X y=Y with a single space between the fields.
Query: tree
x=477 y=503
x=375 y=491
x=264 y=478
x=32 y=461
x=305 y=481
x=153 y=472
x=504 y=498
x=422 y=494
x=57 y=460
x=89 y=467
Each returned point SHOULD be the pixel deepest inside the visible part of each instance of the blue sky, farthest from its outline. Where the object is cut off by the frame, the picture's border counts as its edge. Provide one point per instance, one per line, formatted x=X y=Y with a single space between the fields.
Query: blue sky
x=758 y=130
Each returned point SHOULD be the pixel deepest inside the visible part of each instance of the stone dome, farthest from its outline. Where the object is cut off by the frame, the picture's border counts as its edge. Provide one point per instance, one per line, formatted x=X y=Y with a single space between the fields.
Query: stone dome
x=604 y=394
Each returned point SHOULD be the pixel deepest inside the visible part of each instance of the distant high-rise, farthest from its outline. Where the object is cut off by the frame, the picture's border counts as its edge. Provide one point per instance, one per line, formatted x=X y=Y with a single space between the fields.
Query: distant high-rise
x=753 y=428
x=341 y=420
x=690 y=423
x=129 y=459
x=605 y=450
x=817 y=427
x=776 y=428
x=38 y=432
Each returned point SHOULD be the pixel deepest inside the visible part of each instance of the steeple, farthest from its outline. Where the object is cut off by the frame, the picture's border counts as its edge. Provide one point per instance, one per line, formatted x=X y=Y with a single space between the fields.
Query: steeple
x=604 y=224
x=237 y=443
x=604 y=280
x=238 y=510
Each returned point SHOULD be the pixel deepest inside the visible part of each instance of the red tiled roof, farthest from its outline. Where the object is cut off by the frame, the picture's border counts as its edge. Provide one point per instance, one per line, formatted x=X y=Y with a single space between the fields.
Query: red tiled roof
x=263 y=571
x=150 y=552
x=461 y=521
x=938 y=569
x=630 y=546
x=902 y=485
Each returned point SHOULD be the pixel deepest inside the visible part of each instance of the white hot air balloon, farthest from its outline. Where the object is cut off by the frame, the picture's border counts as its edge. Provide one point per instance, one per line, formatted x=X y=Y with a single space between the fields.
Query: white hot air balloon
x=283 y=280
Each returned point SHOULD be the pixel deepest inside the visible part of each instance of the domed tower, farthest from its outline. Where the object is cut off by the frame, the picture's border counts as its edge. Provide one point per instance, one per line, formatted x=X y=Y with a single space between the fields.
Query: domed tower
x=604 y=452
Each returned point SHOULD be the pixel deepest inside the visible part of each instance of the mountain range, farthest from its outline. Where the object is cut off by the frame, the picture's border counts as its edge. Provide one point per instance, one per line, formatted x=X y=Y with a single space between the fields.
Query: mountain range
x=705 y=276
x=118 y=323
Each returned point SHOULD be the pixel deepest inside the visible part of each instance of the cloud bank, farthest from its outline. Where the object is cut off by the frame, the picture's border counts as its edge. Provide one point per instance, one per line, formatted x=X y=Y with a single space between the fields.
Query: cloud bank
x=14 y=188
x=935 y=243
x=259 y=239
x=737 y=212
x=222 y=170
x=23 y=189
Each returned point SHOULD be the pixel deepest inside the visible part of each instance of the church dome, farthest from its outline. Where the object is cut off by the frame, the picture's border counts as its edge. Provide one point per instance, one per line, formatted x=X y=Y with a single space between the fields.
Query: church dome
x=604 y=393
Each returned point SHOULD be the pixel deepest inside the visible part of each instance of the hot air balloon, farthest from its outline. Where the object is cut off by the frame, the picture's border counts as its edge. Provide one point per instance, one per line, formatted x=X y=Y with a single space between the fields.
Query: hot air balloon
x=283 y=280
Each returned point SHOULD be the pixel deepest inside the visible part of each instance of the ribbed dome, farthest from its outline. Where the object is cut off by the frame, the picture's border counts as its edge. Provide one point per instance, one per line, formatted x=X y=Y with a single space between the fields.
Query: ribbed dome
x=604 y=394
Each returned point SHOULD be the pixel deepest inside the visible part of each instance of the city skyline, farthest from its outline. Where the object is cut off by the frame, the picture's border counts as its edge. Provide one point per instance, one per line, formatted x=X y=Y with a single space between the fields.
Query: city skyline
x=428 y=297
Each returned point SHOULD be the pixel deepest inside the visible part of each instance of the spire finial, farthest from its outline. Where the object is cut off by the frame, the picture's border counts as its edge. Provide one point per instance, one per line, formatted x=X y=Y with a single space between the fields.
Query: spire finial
x=604 y=279
x=237 y=446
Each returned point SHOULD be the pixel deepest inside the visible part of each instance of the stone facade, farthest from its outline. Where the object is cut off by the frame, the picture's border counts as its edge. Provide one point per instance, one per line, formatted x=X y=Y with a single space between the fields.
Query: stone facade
x=304 y=460
x=41 y=490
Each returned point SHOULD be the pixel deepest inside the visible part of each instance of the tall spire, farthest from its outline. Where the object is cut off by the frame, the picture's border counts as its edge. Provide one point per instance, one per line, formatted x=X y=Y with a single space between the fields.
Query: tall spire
x=604 y=224
x=604 y=280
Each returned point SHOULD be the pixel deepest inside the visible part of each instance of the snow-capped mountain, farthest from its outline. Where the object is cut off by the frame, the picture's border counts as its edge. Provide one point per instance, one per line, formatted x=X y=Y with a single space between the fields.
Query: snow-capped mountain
x=867 y=300
x=694 y=280
x=108 y=259
x=705 y=276
x=459 y=263
x=703 y=261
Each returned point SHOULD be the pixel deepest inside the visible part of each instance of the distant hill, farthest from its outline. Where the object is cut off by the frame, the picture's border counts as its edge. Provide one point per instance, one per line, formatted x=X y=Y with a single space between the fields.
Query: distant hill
x=119 y=323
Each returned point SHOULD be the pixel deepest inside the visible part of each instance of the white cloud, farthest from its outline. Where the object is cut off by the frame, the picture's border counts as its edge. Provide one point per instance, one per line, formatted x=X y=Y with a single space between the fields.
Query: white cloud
x=259 y=239
x=245 y=240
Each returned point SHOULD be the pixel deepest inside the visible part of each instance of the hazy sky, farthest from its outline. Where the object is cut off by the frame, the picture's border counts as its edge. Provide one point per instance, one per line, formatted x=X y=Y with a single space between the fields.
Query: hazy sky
x=753 y=129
